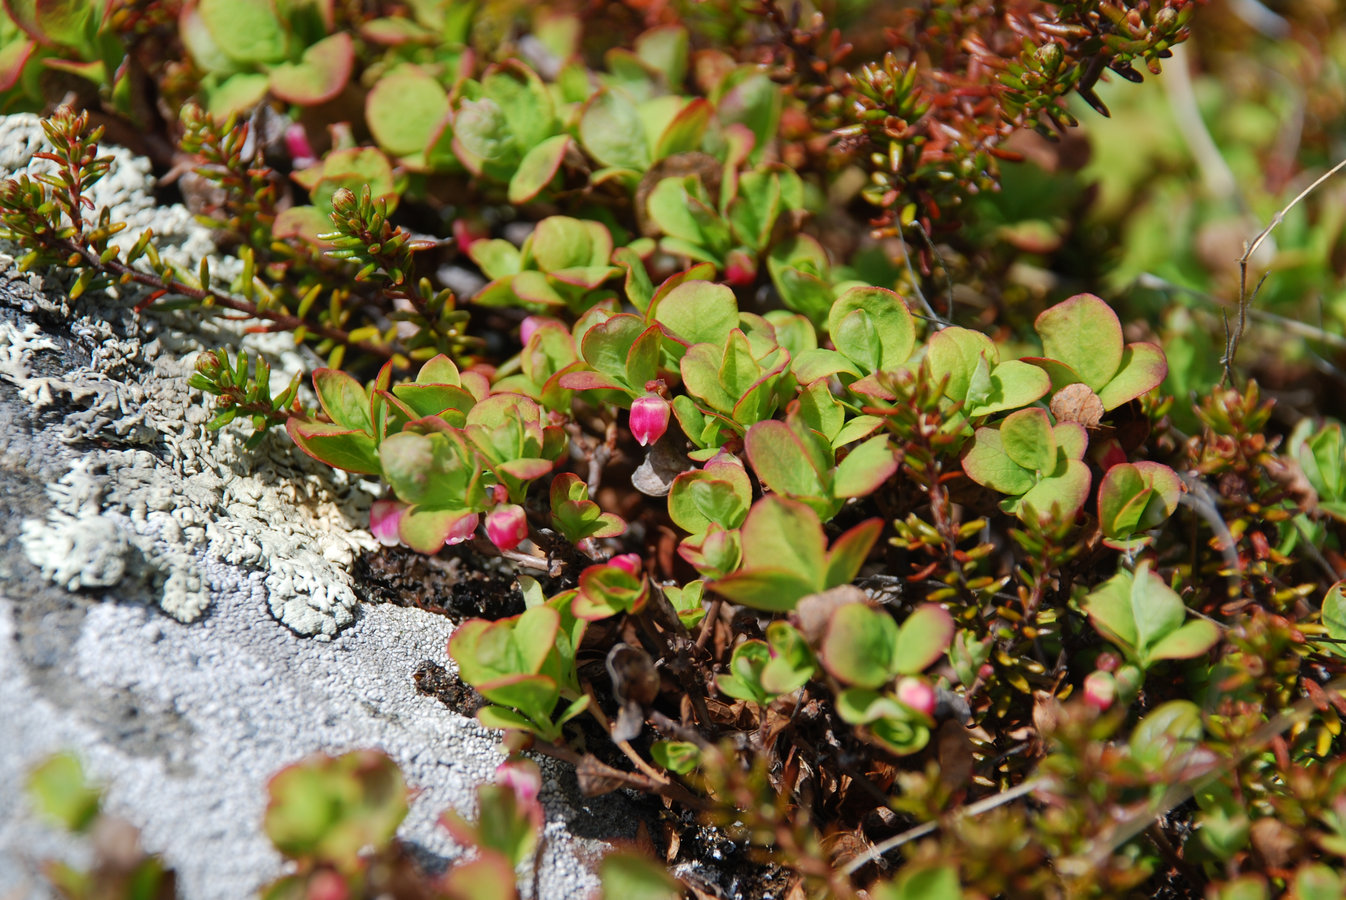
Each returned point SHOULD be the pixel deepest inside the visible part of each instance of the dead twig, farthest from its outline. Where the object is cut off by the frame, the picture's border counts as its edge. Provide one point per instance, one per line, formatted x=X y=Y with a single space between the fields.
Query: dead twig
x=1246 y=297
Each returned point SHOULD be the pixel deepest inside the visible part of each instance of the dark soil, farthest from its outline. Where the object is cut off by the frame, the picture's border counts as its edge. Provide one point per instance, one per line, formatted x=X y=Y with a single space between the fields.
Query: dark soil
x=456 y=583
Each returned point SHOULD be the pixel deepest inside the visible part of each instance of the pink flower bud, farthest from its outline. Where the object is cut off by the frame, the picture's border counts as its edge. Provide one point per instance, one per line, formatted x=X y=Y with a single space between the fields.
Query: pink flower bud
x=463 y=529
x=467 y=232
x=740 y=269
x=384 y=518
x=1100 y=690
x=918 y=694
x=522 y=777
x=649 y=418
x=627 y=562
x=301 y=151
x=507 y=526
x=326 y=884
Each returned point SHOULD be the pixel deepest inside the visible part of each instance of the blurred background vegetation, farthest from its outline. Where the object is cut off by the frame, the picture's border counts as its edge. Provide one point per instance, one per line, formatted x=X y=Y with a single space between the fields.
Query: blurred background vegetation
x=1152 y=206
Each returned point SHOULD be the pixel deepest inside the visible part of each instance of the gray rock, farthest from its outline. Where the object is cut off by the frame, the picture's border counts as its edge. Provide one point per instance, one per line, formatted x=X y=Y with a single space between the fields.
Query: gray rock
x=161 y=588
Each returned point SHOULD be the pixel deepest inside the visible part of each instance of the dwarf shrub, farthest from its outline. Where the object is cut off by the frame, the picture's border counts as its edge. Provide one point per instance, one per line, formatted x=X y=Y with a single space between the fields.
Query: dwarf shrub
x=918 y=595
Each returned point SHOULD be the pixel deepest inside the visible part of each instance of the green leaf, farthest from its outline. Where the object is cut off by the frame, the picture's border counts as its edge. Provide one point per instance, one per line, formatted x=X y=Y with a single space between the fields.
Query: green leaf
x=320 y=75
x=698 y=312
x=560 y=242
x=753 y=212
x=607 y=345
x=246 y=30
x=632 y=876
x=331 y=808
x=819 y=363
x=1143 y=368
x=237 y=93
x=849 y=551
x=1316 y=881
x=743 y=682
x=507 y=719
x=684 y=132
x=60 y=791
x=1334 y=617
x=779 y=458
x=352 y=450
x=773 y=589
x=665 y=50
x=820 y=411
x=427 y=530
x=754 y=100
x=1028 y=440
x=1109 y=609
x=525 y=102
x=681 y=757
x=1058 y=498
x=343 y=399
x=861 y=311
x=953 y=353
x=1136 y=497
x=669 y=208
x=1167 y=734
x=1157 y=608
x=1192 y=639
x=353 y=169
x=639 y=289
x=1084 y=333
x=533 y=695
x=987 y=463
x=923 y=638
x=860 y=645
x=497 y=258
x=612 y=133
x=922 y=882
x=404 y=108
x=1010 y=385
x=791 y=662
x=865 y=468
x=537 y=168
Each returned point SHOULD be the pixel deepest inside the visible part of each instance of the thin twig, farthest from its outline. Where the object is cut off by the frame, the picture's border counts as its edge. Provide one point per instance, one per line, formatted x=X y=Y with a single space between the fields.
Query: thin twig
x=972 y=809
x=916 y=283
x=1245 y=298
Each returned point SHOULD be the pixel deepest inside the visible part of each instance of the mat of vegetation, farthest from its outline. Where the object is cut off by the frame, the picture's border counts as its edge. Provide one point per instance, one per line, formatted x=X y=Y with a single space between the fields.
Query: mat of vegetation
x=754 y=364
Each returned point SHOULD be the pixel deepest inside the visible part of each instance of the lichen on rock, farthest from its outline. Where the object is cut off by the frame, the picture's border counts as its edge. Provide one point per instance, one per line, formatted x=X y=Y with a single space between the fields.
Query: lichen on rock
x=156 y=497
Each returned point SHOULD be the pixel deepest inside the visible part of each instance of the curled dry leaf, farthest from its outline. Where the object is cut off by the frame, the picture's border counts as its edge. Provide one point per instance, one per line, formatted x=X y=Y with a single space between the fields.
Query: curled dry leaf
x=1077 y=403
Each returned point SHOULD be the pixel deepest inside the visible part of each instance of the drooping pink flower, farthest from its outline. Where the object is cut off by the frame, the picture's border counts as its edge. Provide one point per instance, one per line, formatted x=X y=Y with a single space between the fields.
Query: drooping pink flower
x=1100 y=690
x=627 y=562
x=507 y=526
x=649 y=418
x=384 y=518
x=918 y=694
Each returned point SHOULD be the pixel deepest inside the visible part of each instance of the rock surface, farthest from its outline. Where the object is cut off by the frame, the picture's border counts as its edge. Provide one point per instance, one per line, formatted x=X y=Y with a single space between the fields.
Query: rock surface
x=179 y=611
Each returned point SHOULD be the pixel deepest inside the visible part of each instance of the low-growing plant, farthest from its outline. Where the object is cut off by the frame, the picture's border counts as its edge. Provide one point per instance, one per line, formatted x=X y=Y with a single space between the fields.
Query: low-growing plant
x=903 y=568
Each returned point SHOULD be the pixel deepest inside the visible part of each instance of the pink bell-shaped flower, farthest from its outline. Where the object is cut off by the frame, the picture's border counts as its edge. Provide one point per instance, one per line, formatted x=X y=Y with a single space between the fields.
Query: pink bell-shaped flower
x=507 y=526
x=649 y=418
